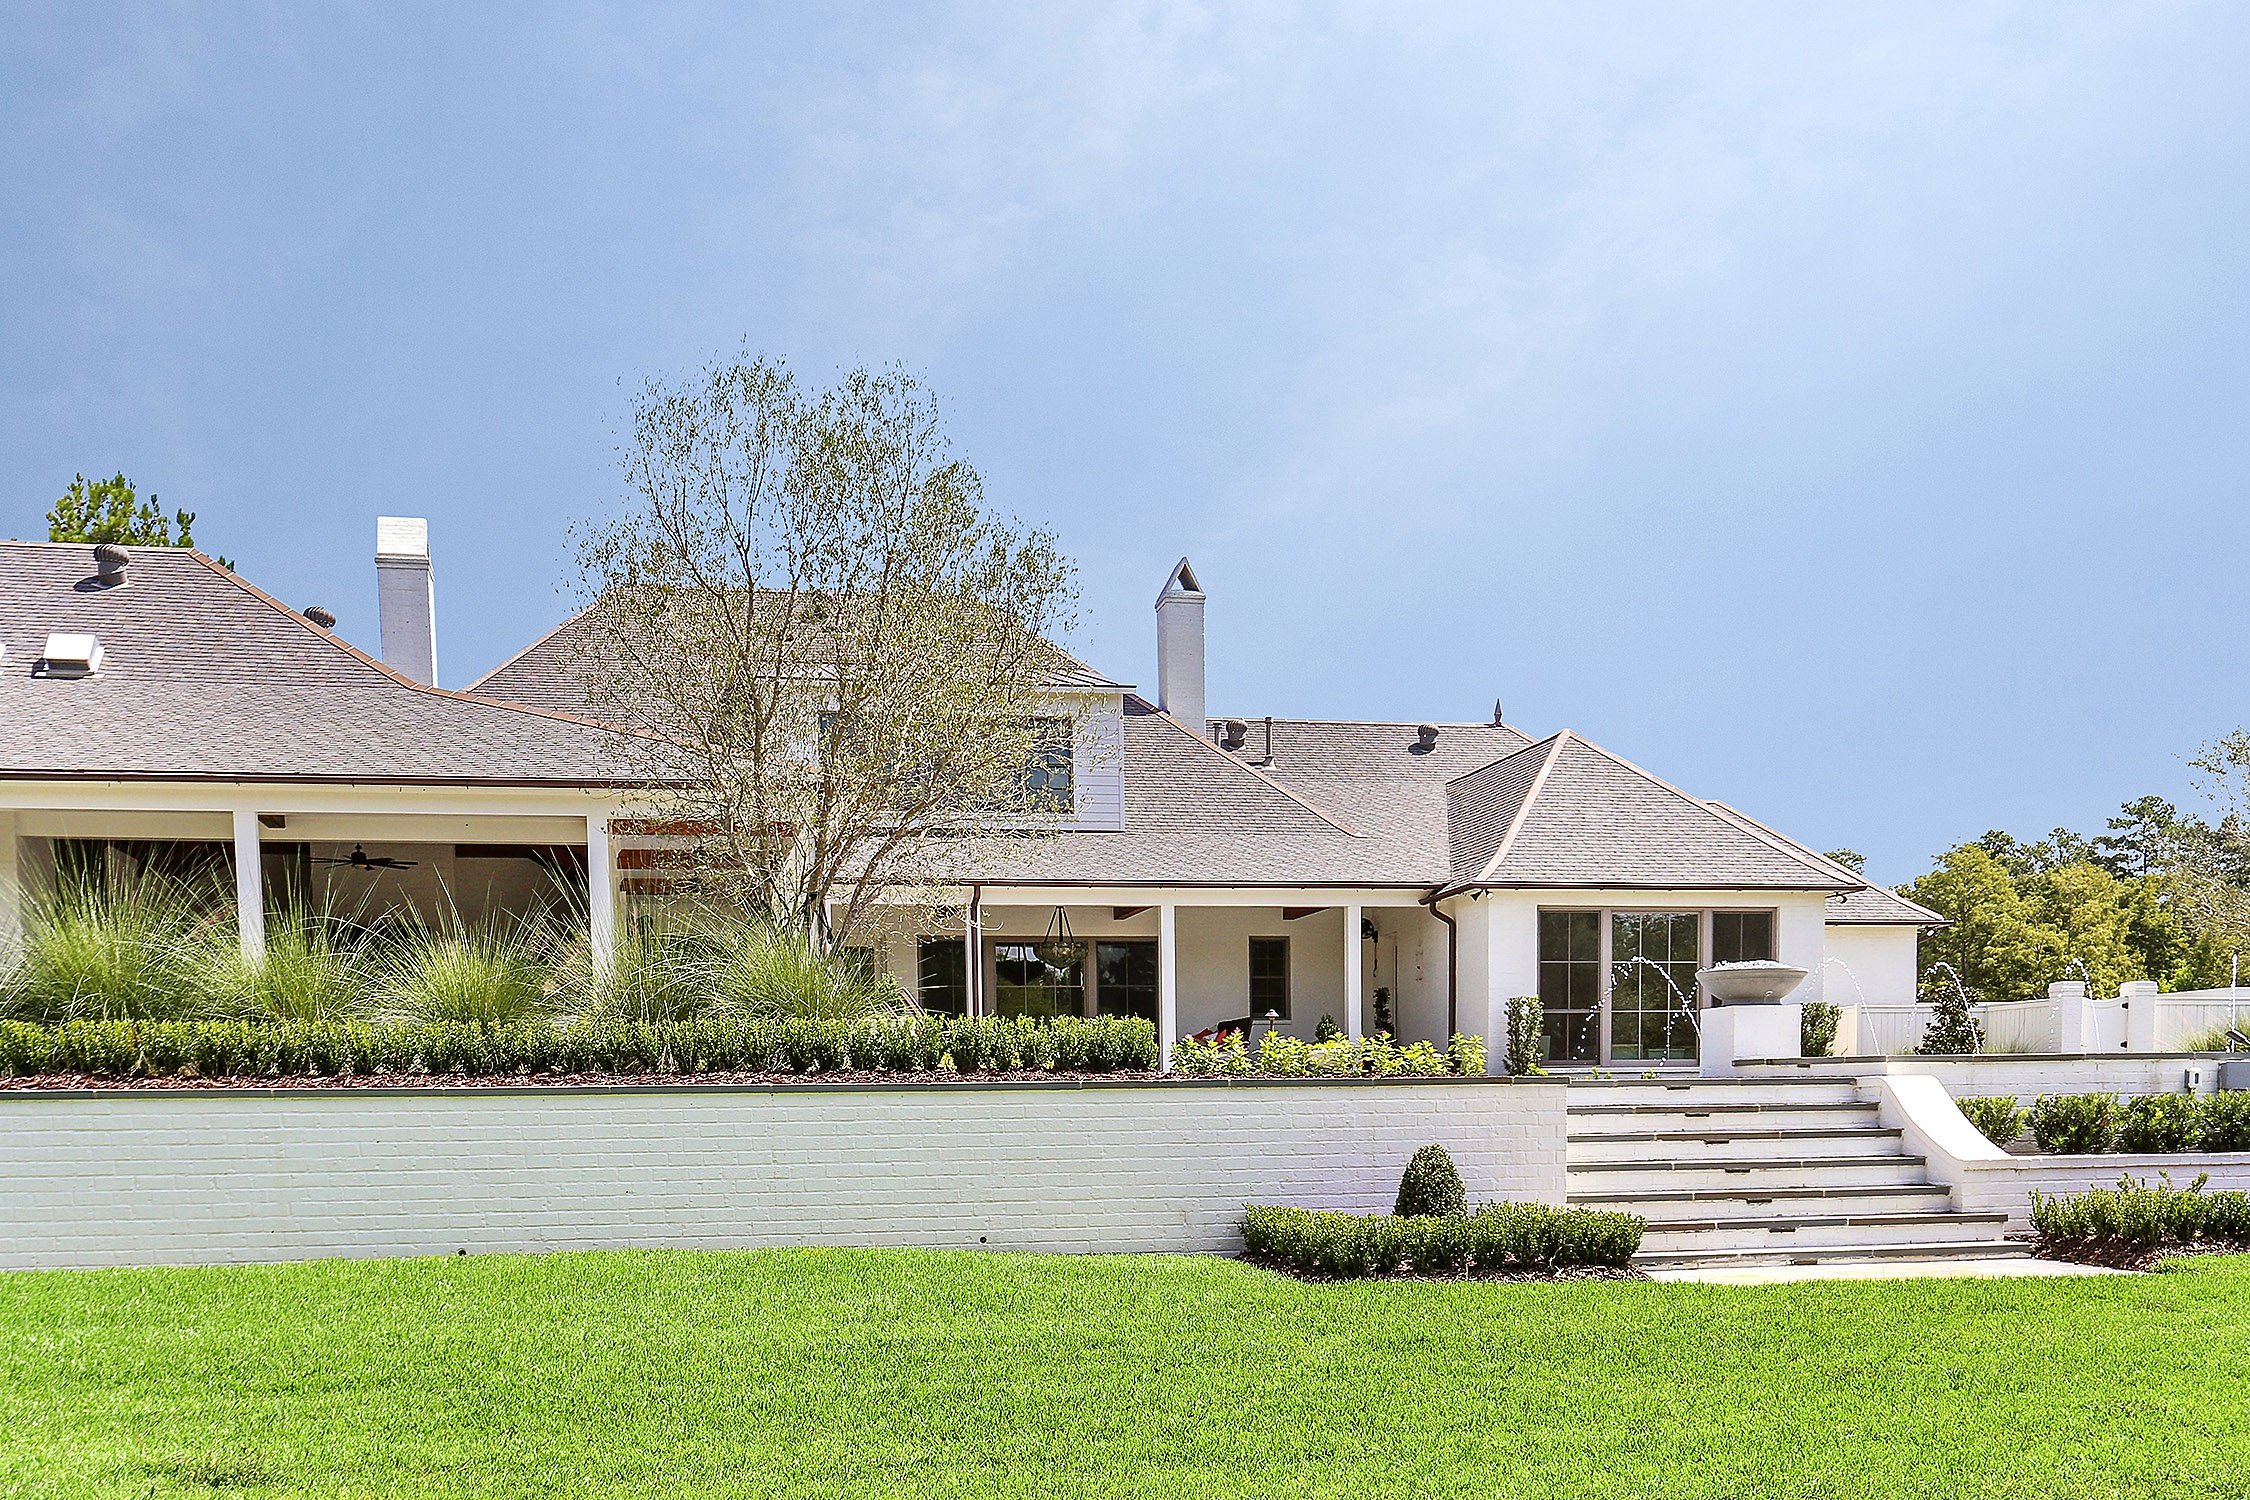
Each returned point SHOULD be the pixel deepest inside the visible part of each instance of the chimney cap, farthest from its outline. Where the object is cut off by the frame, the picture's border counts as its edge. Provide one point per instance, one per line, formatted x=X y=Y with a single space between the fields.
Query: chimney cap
x=324 y=618
x=402 y=538
x=1179 y=583
x=110 y=561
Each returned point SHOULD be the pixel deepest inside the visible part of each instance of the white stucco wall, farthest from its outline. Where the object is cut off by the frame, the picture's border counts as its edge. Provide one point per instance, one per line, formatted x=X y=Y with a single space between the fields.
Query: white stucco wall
x=1881 y=959
x=128 y=1178
x=1510 y=927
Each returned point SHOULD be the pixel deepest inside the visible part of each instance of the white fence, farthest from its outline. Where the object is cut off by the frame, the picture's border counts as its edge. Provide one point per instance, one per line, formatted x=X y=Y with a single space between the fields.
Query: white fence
x=2068 y=1021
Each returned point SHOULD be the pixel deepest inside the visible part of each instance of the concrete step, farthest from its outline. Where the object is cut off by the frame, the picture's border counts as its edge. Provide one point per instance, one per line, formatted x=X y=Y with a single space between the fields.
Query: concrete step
x=1771 y=1202
x=1597 y=1178
x=1626 y=1119
x=1701 y=1091
x=1831 y=1254
x=1750 y=1142
x=1670 y=1236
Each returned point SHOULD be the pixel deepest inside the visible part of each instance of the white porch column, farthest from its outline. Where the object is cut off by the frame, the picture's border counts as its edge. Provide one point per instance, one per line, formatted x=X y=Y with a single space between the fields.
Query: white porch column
x=1167 y=982
x=11 y=885
x=249 y=883
x=601 y=893
x=972 y=955
x=1354 y=975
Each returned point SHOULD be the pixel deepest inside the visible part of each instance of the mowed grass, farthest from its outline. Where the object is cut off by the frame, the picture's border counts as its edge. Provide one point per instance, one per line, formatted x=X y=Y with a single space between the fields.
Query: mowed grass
x=913 y=1373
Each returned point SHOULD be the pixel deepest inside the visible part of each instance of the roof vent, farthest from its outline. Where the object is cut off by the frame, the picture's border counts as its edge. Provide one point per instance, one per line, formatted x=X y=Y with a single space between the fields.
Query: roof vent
x=1425 y=739
x=110 y=561
x=324 y=618
x=1233 y=734
x=70 y=655
x=1497 y=721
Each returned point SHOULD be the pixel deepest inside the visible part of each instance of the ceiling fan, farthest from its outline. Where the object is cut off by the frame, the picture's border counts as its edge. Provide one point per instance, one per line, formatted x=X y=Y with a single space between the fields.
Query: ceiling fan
x=359 y=860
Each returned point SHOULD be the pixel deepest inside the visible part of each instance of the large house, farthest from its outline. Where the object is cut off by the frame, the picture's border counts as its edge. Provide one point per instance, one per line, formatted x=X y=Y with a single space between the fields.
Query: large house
x=159 y=710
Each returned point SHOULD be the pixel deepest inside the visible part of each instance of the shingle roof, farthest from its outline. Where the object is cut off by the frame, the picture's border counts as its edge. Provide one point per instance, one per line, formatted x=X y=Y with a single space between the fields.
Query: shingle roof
x=548 y=672
x=1568 y=813
x=205 y=677
x=1868 y=906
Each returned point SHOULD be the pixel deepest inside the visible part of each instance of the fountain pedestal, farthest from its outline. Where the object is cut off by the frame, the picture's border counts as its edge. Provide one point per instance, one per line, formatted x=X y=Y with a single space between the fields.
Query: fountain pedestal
x=1735 y=1033
x=1750 y=1017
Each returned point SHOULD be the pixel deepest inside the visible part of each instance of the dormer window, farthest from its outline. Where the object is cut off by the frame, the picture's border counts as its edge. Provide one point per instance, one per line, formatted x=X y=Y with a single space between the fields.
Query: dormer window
x=70 y=654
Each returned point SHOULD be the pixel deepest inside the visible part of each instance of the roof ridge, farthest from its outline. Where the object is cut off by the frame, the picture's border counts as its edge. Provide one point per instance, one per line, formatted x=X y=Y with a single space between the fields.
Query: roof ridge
x=386 y=669
x=1241 y=765
x=1555 y=743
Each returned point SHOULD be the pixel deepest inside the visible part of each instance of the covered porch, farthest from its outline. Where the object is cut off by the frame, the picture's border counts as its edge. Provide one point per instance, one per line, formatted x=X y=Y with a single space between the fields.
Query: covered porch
x=426 y=856
x=1187 y=960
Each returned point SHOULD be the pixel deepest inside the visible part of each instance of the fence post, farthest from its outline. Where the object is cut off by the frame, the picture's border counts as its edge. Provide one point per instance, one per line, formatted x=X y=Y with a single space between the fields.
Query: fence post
x=2141 y=1012
x=2074 y=1017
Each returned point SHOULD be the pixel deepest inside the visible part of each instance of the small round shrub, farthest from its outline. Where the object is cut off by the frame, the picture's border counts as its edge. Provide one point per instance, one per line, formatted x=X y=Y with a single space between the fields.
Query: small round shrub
x=1431 y=1188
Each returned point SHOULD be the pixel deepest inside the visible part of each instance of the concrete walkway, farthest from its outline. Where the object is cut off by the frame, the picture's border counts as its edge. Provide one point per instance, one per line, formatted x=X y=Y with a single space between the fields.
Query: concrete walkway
x=1878 y=1270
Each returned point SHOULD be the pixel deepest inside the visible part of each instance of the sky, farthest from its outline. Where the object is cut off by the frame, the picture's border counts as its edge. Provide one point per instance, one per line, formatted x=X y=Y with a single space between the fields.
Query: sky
x=1840 y=410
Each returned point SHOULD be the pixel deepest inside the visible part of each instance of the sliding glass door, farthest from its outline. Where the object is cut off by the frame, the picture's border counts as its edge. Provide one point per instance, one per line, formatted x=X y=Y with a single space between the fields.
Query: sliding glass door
x=1618 y=988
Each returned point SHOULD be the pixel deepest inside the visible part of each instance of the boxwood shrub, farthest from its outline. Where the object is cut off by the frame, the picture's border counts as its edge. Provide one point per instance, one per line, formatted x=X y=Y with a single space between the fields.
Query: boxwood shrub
x=2140 y=1215
x=2090 y=1124
x=1497 y=1239
x=357 y=1049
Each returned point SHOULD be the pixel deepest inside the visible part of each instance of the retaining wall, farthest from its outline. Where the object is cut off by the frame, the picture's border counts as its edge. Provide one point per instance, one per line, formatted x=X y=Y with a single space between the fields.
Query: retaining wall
x=189 y=1177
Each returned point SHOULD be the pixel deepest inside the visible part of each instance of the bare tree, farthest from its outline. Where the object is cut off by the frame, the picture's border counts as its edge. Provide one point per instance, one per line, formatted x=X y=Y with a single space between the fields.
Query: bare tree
x=840 y=658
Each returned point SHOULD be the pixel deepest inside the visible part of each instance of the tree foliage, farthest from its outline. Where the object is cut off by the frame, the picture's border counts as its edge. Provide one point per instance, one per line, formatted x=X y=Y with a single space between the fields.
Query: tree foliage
x=2161 y=894
x=840 y=658
x=109 y=510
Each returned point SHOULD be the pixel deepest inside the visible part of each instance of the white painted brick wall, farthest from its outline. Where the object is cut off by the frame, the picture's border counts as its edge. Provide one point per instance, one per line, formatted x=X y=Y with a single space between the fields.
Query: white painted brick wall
x=2006 y=1187
x=200 y=1177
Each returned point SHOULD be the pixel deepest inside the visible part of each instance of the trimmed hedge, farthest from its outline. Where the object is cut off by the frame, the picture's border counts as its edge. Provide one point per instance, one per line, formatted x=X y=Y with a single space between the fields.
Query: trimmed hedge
x=353 y=1049
x=1498 y=1239
x=1283 y=1056
x=2141 y=1216
x=2094 y=1124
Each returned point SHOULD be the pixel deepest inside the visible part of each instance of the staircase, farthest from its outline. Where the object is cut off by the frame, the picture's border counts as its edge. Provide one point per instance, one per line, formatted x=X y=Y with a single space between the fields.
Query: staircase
x=1758 y=1172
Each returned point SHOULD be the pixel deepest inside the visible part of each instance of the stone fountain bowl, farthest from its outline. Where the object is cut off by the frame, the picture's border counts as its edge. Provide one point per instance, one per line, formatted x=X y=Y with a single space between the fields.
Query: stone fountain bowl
x=1758 y=983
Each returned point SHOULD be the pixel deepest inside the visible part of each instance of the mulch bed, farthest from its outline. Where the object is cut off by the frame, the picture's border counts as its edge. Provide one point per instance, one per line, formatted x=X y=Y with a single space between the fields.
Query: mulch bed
x=1534 y=1273
x=51 y=1082
x=2118 y=1255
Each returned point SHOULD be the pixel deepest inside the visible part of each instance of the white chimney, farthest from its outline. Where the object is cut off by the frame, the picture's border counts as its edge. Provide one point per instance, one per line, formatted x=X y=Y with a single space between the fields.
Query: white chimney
x=1179 y=648
x=405 y=598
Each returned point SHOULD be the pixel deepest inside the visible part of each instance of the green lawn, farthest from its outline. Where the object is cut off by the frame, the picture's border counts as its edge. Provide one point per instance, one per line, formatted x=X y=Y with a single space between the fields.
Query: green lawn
x=878 y=1373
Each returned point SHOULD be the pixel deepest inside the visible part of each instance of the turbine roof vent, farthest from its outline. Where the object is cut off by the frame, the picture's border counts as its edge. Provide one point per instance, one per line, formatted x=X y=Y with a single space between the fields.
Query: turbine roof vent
x=110 y=562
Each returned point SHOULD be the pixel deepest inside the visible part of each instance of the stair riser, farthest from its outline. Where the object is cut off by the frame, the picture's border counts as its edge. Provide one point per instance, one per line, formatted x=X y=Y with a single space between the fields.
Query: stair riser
x=1697 y=1095
x=1896 y=1172
x=1937 y=1231
x=1904 y=1201
x=1833 y=1117
x=1871 y=1144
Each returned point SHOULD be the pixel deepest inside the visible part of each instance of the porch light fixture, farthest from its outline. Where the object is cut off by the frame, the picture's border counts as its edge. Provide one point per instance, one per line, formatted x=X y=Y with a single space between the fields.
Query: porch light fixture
x=1058 y=927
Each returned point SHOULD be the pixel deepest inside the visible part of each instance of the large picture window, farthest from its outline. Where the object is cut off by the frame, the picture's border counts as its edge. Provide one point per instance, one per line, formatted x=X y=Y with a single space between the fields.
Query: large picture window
x=943 y=974
x=1741 y=936
x=1039 y=979
x=1652 y=964
x=1570 y=984
x=1125 y=978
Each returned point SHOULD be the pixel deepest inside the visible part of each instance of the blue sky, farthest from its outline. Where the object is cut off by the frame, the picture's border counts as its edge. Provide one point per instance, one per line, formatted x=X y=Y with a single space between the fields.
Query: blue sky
x=1841 y=410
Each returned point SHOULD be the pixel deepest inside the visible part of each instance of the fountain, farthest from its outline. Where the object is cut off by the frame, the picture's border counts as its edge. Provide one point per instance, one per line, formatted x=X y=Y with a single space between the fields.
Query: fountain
x=1750 y=1017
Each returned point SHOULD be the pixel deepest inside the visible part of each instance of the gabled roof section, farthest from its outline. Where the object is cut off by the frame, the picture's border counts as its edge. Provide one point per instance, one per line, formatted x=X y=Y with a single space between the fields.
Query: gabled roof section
x=204 y=677
x=546 y=673
x=1565 y=812
x=1869 y=906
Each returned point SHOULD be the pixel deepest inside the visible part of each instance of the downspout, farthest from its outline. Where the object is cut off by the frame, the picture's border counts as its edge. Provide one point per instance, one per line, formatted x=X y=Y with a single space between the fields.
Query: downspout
x=1452 y=967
